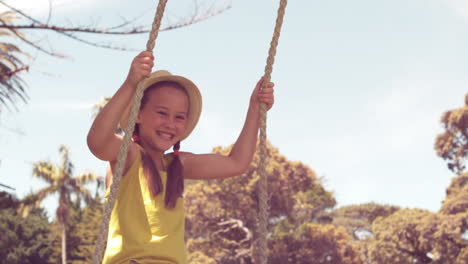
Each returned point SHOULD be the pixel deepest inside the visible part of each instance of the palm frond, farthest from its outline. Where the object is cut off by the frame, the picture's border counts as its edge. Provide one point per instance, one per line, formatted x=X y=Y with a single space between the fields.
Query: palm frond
x=85 y=178
x=12 y=86
x=82 y=192
x=34 y=200
x=67 y=165
x=45 y=192
x=46 y=171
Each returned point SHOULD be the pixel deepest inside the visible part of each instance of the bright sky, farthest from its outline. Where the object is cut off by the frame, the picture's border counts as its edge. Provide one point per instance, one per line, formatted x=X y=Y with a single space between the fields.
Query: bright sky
x=360 y=88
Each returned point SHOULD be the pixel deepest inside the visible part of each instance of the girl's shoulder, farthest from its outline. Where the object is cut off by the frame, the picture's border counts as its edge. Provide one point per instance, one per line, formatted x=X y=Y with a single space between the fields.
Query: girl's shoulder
x=184 y=156
x=133 y=157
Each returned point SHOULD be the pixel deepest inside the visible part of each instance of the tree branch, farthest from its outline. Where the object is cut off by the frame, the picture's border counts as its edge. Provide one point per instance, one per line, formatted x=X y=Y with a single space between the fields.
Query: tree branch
x=34 y=45
x=67 y=31
x=6 y=186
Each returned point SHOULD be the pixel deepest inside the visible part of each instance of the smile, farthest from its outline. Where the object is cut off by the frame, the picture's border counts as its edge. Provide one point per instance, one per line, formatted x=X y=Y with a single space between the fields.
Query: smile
x=165 y=135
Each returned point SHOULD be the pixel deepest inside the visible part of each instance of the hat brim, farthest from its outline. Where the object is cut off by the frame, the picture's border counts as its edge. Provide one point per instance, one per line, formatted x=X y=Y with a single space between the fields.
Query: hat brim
x=194 y=96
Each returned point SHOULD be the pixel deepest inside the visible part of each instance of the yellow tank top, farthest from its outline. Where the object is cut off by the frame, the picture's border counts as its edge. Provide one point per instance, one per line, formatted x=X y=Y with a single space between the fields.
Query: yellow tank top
x=141 y=228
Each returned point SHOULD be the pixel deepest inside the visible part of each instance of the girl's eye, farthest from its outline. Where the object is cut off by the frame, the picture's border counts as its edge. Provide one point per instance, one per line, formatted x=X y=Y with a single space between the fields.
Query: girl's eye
x=181 y=117
x=162 y=113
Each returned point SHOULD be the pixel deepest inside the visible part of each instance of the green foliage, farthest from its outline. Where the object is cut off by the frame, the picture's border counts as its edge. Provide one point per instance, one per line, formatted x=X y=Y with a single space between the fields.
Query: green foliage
x=22 y=240
x=412 y=236
x=314 y=243
x=358 y=219
x=452 y=144
x=61 y=180
x=11 y=85
x=82 y=231
x=198 y=257
x=222 y=215
x=8 y=201
x=456 y=200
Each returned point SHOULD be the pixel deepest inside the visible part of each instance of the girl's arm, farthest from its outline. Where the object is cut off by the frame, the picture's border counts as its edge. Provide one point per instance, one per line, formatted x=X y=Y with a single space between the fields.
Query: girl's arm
x=102 y=140
x=215 y=166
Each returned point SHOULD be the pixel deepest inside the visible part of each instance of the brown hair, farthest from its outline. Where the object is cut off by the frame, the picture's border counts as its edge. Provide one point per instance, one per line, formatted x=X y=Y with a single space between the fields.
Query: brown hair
x=175 y=178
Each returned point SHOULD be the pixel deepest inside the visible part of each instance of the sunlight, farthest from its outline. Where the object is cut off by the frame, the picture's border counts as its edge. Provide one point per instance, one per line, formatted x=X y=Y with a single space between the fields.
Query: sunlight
x=460 y=7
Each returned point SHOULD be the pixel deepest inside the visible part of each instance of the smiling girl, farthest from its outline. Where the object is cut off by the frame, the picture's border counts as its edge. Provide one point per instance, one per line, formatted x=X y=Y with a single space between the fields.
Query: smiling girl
x=147 y=221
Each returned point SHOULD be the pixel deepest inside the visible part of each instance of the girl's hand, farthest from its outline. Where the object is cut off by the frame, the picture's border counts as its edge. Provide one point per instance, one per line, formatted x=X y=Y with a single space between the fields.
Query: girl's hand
x=141 y=67
x=265 y=95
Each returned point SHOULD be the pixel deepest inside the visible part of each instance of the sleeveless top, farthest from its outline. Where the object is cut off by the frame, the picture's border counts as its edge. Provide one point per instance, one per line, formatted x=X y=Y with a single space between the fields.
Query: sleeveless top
x=141 y=228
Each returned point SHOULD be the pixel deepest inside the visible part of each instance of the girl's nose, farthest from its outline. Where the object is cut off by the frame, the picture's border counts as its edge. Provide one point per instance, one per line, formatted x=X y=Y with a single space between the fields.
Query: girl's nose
x=170 y=123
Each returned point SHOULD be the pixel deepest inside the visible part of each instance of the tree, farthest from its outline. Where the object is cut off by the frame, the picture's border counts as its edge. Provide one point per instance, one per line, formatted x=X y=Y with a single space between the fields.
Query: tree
x=452 y=144
x=11 y=64
x=8 y=201
x=456 y=200
x=82 y=230
x=15 y=23
x=222 y=214
x=23 y=240
x=198 y=257
x=358 y=219
x=412 y=236
x=314 y=243
x=61 y=181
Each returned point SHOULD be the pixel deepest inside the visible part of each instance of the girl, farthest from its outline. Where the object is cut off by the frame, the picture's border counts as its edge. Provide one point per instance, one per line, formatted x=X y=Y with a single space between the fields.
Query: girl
x=147 y=221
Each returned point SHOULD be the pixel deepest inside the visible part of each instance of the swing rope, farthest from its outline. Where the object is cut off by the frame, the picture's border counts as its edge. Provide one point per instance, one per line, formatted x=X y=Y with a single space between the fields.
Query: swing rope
x=263 y=182
x=109 y=205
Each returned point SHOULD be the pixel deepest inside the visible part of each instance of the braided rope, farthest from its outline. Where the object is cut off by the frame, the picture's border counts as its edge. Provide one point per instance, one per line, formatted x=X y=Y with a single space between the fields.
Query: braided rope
x=109 y=205
x=263 y=184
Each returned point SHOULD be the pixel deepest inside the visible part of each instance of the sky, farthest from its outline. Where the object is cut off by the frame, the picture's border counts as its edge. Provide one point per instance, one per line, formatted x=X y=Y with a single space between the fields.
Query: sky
x=360 y=87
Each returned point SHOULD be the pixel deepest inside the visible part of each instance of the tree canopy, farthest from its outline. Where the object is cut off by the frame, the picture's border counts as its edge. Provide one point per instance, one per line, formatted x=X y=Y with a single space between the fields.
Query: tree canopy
x=222 y=214
x=419 y=236
x=452 y=144
x=23 y=240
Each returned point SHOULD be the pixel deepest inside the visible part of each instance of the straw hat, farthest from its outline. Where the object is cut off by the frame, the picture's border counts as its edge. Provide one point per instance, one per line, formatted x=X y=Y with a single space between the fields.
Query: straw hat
x=194 y=96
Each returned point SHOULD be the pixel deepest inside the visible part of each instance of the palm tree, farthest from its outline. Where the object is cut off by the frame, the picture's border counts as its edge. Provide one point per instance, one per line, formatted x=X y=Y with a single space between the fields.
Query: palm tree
x=60 y=181
x=97 y=108
x=11 y=85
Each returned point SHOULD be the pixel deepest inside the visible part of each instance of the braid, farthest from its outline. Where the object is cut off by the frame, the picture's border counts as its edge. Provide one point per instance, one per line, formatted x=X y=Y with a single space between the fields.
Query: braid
x=153 y=179
x=176 y=149
x=175 y=179
x=151 y=173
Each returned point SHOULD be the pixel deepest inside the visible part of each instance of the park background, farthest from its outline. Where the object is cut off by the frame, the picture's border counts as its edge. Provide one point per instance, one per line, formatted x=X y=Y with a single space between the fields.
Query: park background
x=360 y=88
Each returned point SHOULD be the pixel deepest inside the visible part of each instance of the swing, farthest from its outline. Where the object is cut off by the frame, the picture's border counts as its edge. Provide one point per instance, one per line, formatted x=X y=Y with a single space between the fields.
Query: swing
x=263 y=183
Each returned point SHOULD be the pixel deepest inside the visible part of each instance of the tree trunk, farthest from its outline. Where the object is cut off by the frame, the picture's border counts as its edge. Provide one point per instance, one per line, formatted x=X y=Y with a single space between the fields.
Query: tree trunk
x=64 y=244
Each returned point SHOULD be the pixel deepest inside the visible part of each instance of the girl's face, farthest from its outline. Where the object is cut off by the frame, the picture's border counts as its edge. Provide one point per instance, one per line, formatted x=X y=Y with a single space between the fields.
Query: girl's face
x=163 y=117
